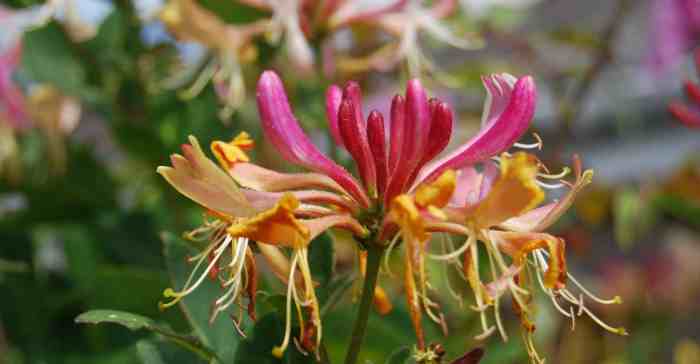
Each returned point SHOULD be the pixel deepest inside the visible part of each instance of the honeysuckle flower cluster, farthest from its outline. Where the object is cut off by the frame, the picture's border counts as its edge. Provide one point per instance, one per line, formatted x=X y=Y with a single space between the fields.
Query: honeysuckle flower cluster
x=298 y=24
x=402 y=197
x=689 y=114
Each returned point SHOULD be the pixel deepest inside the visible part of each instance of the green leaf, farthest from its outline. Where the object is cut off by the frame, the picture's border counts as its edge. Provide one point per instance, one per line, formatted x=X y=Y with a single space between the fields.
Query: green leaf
x=634 y=217
x=154 y=351
x=399 y=356
x=322 y=259
x=221 y=335
x=137 y=322
x=148 y=352
x=47 y=57
x=268 y=333
x=683 y=209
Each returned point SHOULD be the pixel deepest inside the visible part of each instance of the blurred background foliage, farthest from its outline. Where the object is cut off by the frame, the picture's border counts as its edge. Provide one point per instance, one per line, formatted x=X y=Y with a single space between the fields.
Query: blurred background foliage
x=86 y=224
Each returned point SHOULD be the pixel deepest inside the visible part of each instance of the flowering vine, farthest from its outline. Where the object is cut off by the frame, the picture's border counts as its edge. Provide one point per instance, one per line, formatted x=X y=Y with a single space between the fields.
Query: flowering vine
x=402 y=196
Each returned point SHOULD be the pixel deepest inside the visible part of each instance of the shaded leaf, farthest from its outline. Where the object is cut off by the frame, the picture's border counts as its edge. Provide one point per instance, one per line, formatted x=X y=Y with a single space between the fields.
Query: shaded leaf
x=399 y=356
x=51 y=43
x=322 y=259
x=154 y=351
x=268 y=332
x=138 y=322
x=221 y=335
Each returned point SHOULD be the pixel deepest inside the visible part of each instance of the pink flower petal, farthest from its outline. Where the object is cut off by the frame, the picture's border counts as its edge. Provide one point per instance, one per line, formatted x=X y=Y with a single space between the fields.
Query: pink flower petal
x=377 y=143
x=334 y=95
x=497 y=135
x=415 y=137
x=396 y=130
x=354 y=134
x=283 y=131
x=439 y=136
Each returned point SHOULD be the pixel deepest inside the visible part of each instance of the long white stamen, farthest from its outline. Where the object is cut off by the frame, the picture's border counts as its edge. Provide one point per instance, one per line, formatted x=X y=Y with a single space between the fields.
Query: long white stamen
x=550 y=186
x=565 y=171
x=536 y=145
x=614 y=300
x=456 y=253
x=389 y=249
x=279 y=350
x=214 y=261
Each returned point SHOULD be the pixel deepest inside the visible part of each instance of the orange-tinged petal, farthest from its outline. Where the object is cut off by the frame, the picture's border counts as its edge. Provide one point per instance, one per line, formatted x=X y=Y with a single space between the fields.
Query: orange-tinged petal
x=518 y=245
x=438 y=192
x=276 y=226
x=514 y=193
x=258 y=178
x=344 y=221
x=543 y=217
x=198 y=178
x=228 y=154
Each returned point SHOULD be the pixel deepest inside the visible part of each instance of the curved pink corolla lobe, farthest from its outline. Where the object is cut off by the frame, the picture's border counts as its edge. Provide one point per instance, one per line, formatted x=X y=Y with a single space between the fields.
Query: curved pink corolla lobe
x=496 y=136
x=283 y=130
x=498 y=92
x=415 y=137
x=354 y=134
x=377 y=143
x=13 y=108
x=334 y=95
x=396 y=129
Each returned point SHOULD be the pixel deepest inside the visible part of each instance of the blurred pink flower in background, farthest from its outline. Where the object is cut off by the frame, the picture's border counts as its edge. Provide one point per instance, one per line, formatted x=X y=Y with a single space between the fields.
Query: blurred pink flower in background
x=675 y=30
x=688 y=113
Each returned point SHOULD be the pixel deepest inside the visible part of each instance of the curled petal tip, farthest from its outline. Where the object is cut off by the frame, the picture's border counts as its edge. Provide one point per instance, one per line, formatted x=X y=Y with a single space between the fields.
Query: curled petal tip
x=282 y=129
x=509 y=110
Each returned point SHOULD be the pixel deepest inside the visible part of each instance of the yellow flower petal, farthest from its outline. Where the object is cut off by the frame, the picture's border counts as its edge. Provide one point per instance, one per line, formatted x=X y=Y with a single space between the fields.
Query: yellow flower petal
x=407 y=216
x=232 y=152
x=276 y=226
x=514 y=193
x=438 y=192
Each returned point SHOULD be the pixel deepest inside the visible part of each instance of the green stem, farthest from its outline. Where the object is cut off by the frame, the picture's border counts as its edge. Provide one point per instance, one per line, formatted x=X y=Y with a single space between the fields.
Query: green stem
x=374 y=257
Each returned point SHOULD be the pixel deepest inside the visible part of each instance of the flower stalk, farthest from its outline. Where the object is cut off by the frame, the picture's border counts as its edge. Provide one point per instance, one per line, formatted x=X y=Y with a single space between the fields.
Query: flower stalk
x=374 y=258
